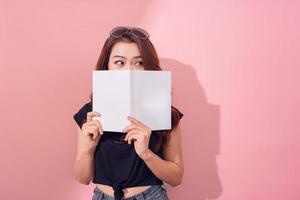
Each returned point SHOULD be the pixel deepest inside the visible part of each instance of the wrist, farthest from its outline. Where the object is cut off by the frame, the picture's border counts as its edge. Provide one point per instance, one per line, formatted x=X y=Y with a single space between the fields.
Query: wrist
x=146 y=155
x=87 y=151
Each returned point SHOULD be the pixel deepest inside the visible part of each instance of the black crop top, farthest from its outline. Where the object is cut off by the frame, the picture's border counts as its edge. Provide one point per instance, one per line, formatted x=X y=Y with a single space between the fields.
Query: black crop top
x=117 y=164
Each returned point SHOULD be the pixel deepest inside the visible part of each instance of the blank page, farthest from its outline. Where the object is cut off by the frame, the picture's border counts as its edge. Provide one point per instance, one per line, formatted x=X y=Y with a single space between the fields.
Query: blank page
x=111 y=98
x=151 y=101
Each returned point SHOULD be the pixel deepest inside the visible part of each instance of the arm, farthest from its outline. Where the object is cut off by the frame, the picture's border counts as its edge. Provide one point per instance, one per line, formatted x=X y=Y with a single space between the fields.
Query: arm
x=84 y=162
x=171 y=169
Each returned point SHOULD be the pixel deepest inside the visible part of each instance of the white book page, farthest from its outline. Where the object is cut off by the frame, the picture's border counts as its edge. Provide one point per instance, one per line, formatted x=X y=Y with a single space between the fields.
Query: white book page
x=151 y=103
x=111 y=98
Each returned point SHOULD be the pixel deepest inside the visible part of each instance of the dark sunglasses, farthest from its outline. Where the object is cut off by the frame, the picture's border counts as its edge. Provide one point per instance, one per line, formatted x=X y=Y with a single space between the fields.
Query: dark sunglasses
x=120 y=31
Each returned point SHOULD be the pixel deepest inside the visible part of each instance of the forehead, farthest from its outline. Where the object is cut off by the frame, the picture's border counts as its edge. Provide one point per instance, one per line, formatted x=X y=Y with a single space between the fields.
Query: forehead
x=128 y=50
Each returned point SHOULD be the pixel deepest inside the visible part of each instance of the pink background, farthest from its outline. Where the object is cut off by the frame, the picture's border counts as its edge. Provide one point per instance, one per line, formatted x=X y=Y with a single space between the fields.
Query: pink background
x=235 y=67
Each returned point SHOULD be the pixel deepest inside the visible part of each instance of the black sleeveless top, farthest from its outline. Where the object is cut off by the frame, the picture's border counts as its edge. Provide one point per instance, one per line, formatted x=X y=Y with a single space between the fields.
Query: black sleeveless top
x=117 y=164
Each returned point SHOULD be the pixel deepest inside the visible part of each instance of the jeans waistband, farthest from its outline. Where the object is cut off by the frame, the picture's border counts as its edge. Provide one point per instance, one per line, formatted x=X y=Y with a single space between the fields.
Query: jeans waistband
x=147 y=192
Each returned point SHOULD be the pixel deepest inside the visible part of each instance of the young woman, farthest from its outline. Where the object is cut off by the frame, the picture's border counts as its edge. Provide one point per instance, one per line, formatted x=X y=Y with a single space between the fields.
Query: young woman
x=132 y=164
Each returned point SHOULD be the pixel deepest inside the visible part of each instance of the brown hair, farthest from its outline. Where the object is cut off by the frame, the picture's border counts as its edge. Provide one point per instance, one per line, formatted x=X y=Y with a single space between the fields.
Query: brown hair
x=150 y=61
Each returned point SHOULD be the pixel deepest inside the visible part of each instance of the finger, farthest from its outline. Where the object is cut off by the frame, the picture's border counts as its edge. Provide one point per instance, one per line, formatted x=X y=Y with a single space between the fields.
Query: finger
x=90 y=115
x=96 y=134
x=134 y=120
x=131 y=132
x=138 y=123
x=138 y=128
x=134 y=137
x=92 y=128
x=98 y=124
x=88 y=131
x=130 y=127
x=128 y=134
x=95 y=130
x=90 y=125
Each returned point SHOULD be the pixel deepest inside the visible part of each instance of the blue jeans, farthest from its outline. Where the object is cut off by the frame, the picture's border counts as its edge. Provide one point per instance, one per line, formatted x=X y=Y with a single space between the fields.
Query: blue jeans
x=155 y=192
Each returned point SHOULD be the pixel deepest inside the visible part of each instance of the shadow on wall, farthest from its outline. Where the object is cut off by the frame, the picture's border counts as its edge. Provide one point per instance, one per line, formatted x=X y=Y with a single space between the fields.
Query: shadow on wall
x=200 y=132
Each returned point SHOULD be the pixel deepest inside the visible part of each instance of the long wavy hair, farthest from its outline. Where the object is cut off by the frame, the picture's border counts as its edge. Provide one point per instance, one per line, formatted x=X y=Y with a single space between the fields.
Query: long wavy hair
x=151 y=62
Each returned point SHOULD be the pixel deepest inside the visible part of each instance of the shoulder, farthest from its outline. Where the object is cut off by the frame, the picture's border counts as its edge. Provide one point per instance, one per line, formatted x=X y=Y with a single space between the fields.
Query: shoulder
x=176 y=116
x=80 y=115
x=87 y=107
x=177 y=111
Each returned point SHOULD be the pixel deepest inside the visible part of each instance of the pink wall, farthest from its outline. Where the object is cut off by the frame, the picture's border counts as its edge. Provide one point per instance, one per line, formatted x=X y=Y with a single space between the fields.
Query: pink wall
x=235 y=71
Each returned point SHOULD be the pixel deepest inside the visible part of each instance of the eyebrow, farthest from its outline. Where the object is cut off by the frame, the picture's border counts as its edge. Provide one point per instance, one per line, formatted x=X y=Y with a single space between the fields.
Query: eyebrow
x=125 y=57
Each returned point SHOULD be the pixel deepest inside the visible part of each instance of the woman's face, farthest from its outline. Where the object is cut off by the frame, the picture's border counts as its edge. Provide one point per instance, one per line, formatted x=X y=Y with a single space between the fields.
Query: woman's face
x=125 y=55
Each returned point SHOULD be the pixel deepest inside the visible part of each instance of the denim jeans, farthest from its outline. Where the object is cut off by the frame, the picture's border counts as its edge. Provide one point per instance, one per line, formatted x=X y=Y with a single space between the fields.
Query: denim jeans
x=155 y=192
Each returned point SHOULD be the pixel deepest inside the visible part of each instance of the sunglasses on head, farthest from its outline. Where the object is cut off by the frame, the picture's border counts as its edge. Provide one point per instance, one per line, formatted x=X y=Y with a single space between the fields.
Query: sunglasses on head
x=120 y=31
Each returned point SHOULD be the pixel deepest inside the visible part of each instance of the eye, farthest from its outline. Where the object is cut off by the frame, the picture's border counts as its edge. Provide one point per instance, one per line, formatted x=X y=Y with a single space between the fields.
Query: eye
x=139 y=63
x=119 y=62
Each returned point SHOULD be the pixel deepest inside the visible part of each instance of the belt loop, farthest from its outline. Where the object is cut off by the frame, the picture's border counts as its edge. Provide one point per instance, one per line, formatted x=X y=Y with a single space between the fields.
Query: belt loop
x=98 y=193
x=101 y=196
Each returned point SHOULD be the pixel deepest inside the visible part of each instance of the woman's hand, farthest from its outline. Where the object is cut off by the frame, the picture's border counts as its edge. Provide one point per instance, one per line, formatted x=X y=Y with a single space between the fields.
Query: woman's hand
x=140 y=134
x=92 y=131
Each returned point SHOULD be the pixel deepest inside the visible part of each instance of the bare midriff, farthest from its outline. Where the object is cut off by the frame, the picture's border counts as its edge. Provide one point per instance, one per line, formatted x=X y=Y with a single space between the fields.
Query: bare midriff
x=128 y=192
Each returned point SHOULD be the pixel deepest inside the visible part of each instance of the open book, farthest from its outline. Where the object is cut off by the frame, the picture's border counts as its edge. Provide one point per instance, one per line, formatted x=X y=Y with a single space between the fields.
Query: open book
x=142 y=94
